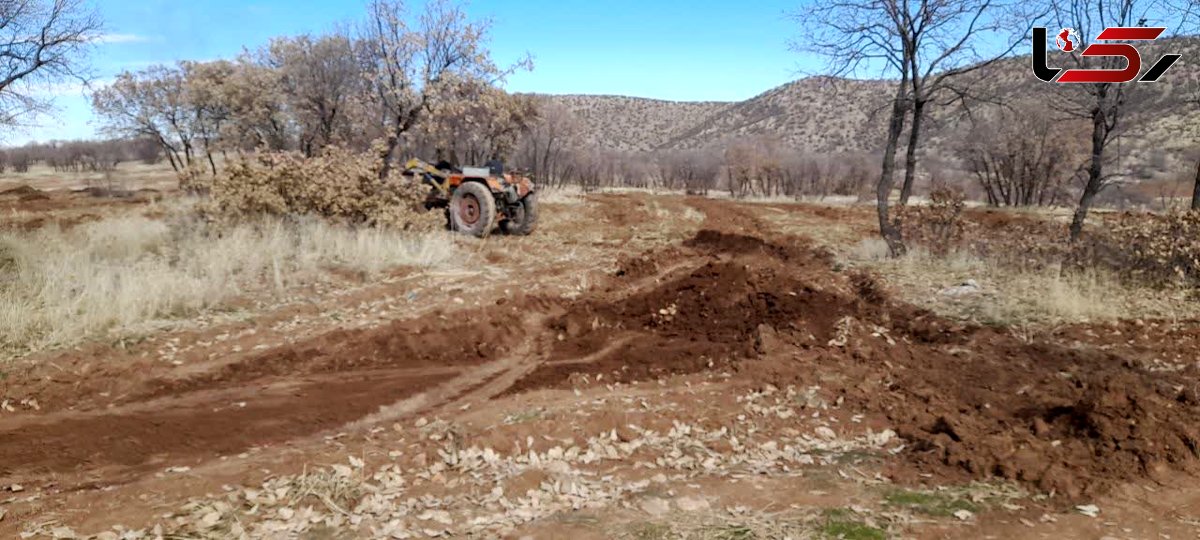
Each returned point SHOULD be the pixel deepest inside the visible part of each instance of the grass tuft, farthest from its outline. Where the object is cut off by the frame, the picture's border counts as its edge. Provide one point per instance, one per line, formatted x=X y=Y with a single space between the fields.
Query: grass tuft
x=841 y=524
x=930 y=503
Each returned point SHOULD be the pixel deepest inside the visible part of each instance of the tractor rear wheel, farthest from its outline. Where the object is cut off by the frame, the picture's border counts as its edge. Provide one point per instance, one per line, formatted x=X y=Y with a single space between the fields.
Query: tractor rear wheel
x=472 y=209
x=524 y=217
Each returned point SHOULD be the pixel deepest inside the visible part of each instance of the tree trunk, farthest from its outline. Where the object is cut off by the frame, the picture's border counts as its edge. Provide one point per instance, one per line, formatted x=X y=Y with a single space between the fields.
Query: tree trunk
x=910 y=161
x=389 y=153
x=1095 y=172
x=890 y=231
x=1196 y=189
x=211 y=163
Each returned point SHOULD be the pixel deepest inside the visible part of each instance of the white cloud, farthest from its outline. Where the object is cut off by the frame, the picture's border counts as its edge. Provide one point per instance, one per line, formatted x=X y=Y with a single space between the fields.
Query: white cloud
x=121 y=38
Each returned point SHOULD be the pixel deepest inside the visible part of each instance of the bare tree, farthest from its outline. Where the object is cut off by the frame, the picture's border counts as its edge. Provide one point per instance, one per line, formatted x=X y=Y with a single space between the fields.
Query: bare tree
x=944 y=38
x=407 y=57
x=1103 y=105
x=1021 y=155
x=41 y=43
x=1196 y=189
x=924 y=46
x=855 y=35
x=545 y=147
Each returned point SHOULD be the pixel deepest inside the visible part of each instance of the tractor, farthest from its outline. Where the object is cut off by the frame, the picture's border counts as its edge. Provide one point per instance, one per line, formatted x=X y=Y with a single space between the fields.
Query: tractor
x=475 y=199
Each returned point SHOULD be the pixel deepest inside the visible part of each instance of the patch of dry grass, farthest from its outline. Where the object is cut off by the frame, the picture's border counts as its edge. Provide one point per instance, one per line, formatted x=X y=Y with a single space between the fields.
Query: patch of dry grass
x=121 y=274
x=1010 y=295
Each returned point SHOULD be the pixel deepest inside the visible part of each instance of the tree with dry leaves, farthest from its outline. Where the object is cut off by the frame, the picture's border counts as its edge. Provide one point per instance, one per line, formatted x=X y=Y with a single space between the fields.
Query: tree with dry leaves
x=152 y=103
x=407 y=55
x=320 y=79
x=472 y=122
x=41 y=43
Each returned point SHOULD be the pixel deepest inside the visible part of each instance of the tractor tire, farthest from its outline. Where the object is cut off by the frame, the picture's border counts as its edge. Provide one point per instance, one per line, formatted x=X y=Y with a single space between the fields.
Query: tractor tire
x=524 y=218
x=472 y=209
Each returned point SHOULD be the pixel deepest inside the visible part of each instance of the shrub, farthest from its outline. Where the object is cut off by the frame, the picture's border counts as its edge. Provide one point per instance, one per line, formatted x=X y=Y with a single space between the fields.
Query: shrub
x=938 y=225
x=194 y=179
x=338 y=185
x=1155 y=249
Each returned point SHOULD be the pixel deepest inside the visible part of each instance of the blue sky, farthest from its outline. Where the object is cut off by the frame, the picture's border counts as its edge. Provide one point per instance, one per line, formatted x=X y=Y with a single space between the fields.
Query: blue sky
x=678 y=50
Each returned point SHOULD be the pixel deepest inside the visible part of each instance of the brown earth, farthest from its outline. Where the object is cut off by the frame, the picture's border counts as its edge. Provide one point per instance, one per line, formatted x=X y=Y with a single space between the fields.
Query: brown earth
x=1078 y=412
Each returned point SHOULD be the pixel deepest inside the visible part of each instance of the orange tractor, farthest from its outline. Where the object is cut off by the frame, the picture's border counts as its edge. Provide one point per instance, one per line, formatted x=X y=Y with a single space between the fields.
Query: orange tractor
x=476 y=199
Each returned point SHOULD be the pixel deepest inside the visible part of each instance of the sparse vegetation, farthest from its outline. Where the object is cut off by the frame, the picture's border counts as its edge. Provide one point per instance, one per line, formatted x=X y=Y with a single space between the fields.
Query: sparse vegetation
x=844 y=524
x=125 y=275
x=931 y=503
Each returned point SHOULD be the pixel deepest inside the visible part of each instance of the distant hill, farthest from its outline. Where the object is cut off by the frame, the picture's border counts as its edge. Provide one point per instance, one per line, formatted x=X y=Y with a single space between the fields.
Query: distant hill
x=836 y=115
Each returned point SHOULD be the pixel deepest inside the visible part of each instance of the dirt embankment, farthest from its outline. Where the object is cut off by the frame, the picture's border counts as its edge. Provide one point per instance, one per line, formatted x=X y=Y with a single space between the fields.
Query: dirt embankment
x=1068 y=418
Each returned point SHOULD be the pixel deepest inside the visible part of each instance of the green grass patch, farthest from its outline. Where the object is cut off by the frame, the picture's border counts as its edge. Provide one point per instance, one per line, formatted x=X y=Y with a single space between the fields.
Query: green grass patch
x=650 y=531
x=734 y=532
x=844 y=524
x=930 y=503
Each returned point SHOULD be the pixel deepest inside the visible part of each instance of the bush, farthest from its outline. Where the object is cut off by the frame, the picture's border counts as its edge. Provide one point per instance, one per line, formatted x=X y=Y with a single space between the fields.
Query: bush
x=338 y=185
x=194 y=179
x=938 y=225
x=1155 y=249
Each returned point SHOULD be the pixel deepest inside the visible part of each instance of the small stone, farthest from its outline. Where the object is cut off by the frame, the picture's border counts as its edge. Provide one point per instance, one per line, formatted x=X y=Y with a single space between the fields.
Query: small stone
x=655 y=506
x=1089 y=510
x=964 y=515
x=691 y=504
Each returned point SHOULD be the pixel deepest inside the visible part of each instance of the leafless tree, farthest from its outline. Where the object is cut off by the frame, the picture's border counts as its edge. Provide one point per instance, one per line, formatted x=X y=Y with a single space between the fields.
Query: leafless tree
x=1021 y=155
x=41 y=43
x=544 y=149
x=945 y=37
x=1104 y=105
x=857 y=35
x=923 y=45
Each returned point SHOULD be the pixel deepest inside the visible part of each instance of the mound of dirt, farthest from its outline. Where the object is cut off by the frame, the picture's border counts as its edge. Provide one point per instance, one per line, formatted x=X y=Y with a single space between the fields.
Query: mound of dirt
x=1069 y=421
x=713 y=315
x=973 y=402
x=24 y=193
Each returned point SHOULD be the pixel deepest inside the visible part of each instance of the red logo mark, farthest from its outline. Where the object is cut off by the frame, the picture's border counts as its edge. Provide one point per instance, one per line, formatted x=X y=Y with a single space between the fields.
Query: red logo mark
x=1068 y=41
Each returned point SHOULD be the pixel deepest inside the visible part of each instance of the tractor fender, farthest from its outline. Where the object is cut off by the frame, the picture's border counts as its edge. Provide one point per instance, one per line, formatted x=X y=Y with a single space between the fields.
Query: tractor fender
x=494 y=185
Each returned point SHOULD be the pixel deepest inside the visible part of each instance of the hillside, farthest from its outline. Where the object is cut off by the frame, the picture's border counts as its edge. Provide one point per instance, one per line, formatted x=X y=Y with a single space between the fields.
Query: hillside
x=835 y=115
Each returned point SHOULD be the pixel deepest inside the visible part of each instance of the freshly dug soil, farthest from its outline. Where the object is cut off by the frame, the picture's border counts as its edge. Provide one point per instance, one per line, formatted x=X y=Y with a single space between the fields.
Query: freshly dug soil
x=973 y=403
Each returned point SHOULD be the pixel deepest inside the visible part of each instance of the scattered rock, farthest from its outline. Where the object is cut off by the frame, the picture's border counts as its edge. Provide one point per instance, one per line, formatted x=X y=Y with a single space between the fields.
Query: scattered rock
x=965 y=288
x=691 y=504
x=655 y=506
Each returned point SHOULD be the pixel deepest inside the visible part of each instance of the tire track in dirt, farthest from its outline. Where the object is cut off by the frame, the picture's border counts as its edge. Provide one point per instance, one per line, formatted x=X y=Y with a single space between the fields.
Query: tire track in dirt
x=339 y=379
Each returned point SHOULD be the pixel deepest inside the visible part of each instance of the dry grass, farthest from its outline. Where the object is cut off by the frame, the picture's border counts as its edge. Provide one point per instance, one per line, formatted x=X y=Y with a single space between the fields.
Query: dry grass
x=131 y=176
x=123 y=274
x=1015 y=296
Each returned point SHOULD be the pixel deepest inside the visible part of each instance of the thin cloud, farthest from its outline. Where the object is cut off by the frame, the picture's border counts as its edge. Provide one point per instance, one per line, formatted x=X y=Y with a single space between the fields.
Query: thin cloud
x=121 y=38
